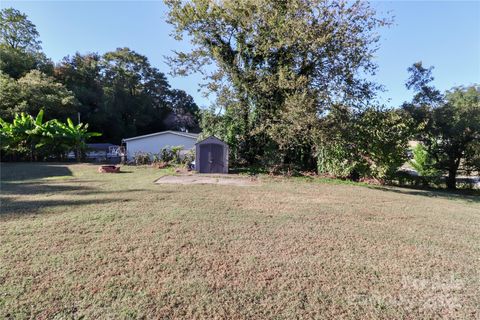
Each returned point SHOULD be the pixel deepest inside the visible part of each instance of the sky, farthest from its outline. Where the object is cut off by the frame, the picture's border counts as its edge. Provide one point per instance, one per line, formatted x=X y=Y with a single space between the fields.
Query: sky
x=443 y=34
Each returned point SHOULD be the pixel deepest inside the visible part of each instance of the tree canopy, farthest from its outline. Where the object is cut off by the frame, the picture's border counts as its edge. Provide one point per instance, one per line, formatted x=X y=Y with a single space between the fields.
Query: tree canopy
x=122 y=95
x=17 y=32
x=118 y=93
x=448 y=125
x=275 y=64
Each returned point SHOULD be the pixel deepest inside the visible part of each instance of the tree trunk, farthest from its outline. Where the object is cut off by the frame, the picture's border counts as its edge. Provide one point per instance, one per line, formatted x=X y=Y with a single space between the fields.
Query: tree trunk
x=78 y=154
x=451 y=179
x=454 y=163
x=32 y=152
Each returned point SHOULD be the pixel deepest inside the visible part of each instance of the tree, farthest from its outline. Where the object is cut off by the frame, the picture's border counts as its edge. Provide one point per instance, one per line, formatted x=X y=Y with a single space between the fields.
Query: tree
x=16 y=62
x=9 y=96
x=138 y=98
x=184 y=112
x=33 y=92
x=29 y=135
x=447 y=125
x=270 y=57
x=17 y=31
x=133 y=93
x=20 y=49
x=22 y=134
x=423 y=162
x=419 y=82
x=383 y=136
x=456 y=132
x=82 y=74
x=39 y=91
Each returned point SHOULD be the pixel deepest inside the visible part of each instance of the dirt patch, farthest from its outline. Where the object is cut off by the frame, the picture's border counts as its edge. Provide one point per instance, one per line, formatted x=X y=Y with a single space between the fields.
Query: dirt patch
x=208 y=179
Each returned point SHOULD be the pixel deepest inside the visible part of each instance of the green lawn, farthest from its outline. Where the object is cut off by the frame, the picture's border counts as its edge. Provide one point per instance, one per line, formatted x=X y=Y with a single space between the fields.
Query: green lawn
x=76 y=243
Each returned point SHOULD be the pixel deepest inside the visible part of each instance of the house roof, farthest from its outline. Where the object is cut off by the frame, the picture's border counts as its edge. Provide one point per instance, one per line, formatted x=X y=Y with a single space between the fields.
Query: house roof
x=179 y=133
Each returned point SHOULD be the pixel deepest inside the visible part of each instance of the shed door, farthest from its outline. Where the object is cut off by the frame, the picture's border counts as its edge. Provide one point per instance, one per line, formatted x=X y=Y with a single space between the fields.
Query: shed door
x=211 y=158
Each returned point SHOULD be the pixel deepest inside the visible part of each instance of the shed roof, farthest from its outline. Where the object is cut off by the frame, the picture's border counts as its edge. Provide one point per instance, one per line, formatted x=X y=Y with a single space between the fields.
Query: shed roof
x=212 y=139
x=179 y=133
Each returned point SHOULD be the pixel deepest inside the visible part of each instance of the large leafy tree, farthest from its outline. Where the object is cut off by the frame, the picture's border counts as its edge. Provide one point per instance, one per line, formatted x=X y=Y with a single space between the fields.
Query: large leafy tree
x=122 y=95
x=264 y=60
x=22 y=135
x=33 y=92
x=20 y=49
x=9 y=96
x=119 y=93
x=82 y=74
x=74 y=136
x=184 y=112
x=135 y=93
x=17 y=31
x=16 y=62
x=24 y=71
x=448 y=125
x=31 y=138
x=39 y=91
x=456 y=132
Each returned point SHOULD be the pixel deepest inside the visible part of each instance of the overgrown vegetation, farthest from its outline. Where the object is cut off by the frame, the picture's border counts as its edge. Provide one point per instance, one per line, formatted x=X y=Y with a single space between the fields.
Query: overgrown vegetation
x=372 y=143
x=168 y=156
x=29 y=138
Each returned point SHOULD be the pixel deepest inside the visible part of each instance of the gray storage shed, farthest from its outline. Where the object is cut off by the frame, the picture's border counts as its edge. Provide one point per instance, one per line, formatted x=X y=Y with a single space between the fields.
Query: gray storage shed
x=211 y=156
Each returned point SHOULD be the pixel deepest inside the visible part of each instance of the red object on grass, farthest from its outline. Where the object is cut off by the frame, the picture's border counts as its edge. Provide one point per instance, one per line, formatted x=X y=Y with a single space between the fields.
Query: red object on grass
x=109 y=169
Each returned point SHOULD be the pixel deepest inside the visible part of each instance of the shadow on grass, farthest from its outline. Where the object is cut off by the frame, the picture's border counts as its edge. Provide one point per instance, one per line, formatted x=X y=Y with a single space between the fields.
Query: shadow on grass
x=465 y=195
x=16 y=208
x=34 y=188
x=18 y=204
x=40 y=187
x=32 y=197
x=32 y=171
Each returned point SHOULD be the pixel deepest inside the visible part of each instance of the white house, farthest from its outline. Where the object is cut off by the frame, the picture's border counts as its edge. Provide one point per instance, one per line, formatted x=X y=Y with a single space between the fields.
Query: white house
x=154 y=142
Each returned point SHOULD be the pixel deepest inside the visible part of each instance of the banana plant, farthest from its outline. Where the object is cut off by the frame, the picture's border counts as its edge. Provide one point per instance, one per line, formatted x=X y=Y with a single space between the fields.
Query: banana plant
x=22 y=134
x=75 y=136
x=6 y=135
x=28 y=134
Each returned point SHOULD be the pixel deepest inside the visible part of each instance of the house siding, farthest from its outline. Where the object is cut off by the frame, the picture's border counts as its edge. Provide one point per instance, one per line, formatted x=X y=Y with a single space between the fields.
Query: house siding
x=154 y=144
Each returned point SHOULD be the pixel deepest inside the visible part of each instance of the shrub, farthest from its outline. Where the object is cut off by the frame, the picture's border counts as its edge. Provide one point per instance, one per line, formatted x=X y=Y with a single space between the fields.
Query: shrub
x=175 y=152
x=165 y=155
x=142 y=158
x=188 y=158
x=336 y=159
x=169 y=155
x=368 y=145
x=422 y=161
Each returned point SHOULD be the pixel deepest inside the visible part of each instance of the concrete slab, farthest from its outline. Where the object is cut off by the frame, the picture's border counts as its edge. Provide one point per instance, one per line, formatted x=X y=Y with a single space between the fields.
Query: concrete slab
x=207 y=179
